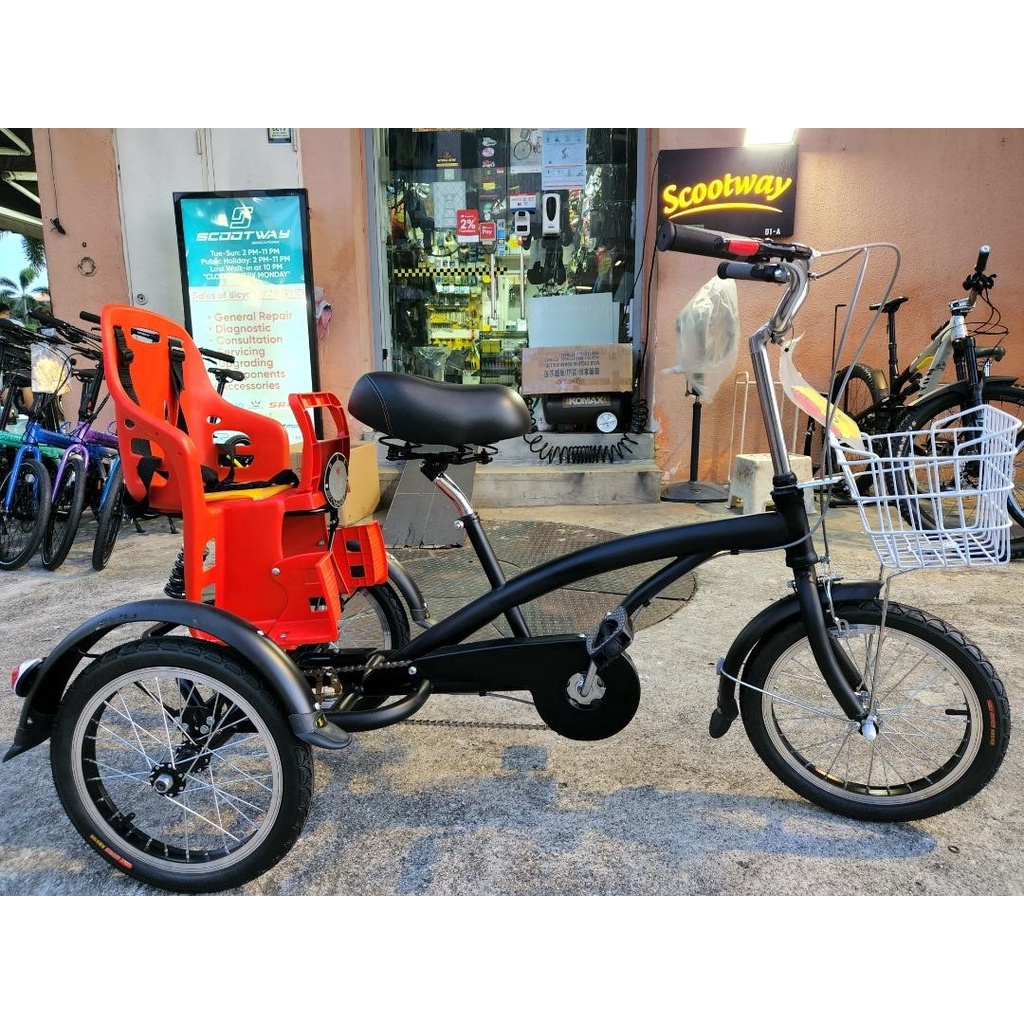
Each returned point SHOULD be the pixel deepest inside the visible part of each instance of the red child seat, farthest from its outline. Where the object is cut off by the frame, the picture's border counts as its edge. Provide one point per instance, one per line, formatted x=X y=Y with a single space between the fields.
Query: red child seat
x=258 y=539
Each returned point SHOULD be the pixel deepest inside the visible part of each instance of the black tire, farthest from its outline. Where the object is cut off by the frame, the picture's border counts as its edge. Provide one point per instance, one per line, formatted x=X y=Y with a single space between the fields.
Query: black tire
x=23 y=521
x=65 y=514
x=111 y=519
x=174 y=761
x=860 y=394
x=943 y=717
x=1007 y=397
x=596 y=712
x=373 y=618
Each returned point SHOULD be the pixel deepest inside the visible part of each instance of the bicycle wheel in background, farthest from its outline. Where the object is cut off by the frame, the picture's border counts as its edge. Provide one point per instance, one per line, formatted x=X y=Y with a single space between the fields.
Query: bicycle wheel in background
x=1010 y=399
x=110 y=520
x=943 y=718
x=23 y=513
x=65 y=512
x=862 y=391
x=173 y=758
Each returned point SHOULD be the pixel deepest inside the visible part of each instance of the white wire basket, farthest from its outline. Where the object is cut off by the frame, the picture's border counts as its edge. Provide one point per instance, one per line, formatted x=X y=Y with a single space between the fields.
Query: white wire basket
x=936 y=497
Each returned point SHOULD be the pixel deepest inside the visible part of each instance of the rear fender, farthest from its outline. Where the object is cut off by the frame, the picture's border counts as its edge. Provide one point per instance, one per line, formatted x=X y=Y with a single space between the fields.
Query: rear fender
x=44 y=684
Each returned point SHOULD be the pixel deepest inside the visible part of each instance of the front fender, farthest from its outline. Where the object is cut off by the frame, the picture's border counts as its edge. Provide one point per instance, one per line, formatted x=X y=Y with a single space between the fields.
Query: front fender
x=764 y=624
x=50 y=678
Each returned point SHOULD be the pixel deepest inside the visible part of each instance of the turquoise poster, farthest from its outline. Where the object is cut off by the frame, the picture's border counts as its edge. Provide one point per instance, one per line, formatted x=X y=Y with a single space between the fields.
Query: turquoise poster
x=248 y=290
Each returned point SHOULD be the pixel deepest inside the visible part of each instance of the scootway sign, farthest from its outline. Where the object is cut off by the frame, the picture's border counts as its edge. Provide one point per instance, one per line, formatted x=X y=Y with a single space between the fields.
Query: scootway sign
x=749 y=190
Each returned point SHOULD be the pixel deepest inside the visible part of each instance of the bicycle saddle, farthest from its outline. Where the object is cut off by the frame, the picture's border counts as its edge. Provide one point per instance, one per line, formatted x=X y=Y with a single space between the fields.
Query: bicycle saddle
x=423 y=411
x=891 y=306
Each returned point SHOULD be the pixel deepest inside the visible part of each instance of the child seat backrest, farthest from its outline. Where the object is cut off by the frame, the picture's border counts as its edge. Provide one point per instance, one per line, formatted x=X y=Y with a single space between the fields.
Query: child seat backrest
x=170 y=416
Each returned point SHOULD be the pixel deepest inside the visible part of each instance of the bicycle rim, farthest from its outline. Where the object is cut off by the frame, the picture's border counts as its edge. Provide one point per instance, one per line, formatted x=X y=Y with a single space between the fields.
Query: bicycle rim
x=942 y=724
x=221 y=795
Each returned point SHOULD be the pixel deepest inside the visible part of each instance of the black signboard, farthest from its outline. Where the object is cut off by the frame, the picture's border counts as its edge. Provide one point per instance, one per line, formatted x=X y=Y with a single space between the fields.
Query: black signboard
x=748 y=190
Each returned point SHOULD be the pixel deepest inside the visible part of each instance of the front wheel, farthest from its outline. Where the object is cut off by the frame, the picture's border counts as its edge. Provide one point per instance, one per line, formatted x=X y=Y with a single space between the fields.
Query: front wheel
x=940 y=710
x=65 y=513
x=24 y=510
x=111 y=518
x=174 y=760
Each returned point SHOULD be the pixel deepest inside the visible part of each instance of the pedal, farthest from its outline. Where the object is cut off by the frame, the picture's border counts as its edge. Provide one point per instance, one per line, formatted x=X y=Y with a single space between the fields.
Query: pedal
x=610 y=638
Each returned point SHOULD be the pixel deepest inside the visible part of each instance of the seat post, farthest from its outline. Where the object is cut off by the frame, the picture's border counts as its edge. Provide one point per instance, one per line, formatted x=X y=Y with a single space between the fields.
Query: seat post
x=434 y=470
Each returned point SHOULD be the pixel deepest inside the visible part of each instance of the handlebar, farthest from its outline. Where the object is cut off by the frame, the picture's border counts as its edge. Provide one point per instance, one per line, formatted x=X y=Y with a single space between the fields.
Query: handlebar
x=748 y=260
x=701 y=242
x=224 y=374
x=209 y=353
x=978 y=281
x=222 y=357
x=752 y=272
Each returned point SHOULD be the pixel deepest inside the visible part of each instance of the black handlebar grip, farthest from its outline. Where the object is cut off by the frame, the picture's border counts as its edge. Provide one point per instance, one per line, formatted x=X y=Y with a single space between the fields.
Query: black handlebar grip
x=752 y=272
x=983 y=252
x=45 y=318
x=222 y=374
x=221 y=356
x=695 y=241
x=90 y=317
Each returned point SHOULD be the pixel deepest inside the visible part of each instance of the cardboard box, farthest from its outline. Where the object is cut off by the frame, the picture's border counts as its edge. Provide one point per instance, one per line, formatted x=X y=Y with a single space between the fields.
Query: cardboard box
x=364 y=484
x=577 y=369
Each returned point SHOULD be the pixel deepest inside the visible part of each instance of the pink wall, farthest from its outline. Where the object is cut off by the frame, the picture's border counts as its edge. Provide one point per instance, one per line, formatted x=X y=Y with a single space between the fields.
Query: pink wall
x=938 y=194
x=78 y=186
x=334 y=173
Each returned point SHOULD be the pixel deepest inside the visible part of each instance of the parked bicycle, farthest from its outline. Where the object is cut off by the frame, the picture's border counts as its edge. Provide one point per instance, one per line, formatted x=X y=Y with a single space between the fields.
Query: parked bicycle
x=911 y=399
x=185 y=758
x=89 y=458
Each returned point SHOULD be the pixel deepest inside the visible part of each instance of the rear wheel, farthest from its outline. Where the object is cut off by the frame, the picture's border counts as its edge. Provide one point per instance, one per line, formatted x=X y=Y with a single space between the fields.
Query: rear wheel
x=175 y=761
x=941 y=713
x=24 y=509
x=65 y=513
x=111 y=519
x=861 y=394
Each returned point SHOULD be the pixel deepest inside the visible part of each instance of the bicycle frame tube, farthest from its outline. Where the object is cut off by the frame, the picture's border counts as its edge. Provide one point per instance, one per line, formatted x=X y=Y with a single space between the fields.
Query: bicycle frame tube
x=694 y=542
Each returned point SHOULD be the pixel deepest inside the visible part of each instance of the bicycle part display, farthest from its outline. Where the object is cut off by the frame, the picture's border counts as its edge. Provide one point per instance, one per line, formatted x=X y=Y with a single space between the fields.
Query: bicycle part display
x=183 y=755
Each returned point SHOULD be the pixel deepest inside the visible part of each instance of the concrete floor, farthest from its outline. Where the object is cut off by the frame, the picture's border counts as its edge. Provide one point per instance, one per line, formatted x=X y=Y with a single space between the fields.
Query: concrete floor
x=474 y=796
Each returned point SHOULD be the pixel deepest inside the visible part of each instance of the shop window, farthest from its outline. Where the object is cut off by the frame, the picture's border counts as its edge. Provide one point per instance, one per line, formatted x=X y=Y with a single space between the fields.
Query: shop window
x=484 y=222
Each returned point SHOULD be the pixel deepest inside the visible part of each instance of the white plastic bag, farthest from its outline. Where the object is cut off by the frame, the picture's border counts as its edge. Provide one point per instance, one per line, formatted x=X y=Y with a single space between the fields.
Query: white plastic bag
x=707 y=332
x=51 y=370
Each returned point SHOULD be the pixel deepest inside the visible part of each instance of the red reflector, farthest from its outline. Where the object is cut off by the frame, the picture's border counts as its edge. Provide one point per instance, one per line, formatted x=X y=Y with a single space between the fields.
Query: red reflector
x=23 y=671
x=743 y=246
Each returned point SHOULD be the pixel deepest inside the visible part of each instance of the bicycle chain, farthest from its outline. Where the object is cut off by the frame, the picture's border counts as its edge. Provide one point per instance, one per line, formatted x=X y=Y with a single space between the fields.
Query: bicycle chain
x=454 y=723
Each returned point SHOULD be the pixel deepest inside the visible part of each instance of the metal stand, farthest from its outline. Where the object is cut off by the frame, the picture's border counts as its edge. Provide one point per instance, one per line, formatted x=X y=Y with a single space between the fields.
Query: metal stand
x=693 y=489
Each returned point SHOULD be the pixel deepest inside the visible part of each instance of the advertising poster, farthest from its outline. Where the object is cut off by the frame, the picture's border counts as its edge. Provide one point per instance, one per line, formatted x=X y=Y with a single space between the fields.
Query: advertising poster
x=248 y=290
x=747 y=190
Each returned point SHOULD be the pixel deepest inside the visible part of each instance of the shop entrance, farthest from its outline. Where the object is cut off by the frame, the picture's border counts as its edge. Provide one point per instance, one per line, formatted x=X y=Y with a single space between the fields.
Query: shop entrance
x=493 y=241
